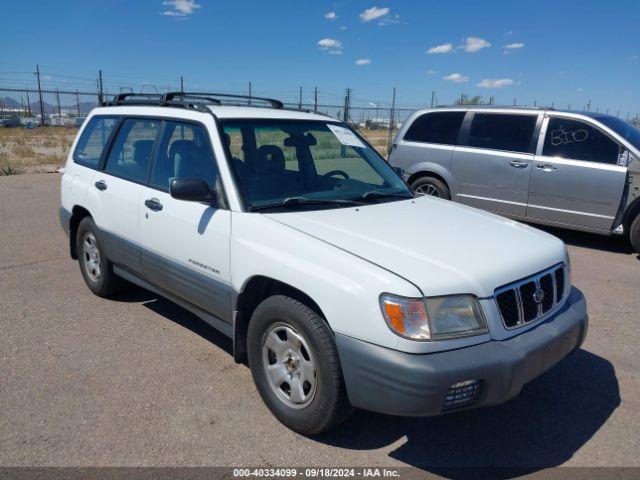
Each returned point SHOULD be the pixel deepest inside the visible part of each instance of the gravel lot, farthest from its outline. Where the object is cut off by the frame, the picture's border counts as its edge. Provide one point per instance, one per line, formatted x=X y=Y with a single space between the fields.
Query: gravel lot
x=136 y=380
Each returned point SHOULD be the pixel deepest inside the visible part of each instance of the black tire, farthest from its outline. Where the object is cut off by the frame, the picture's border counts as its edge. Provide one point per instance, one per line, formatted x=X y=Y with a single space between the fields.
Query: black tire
x=102 y=281
x=329 y=405
x=431 y=186
x=634 y=233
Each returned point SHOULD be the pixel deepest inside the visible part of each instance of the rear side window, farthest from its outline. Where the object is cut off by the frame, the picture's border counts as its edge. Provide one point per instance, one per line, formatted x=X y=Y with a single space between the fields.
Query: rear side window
x=131 y=152
x=93 y=140
x=502 y=132
x=579 y=141
x=439 y=127
x=184 y=151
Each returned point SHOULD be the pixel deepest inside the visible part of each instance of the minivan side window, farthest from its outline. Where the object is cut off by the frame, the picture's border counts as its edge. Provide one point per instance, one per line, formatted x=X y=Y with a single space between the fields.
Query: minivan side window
x=183 y=151
x=93 y=140
x=502 y=131
x=437 y=127
x=578 y=140
x=131 y=151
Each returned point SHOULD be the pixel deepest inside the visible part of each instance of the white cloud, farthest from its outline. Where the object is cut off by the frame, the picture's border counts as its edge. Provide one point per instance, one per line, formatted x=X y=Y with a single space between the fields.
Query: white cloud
x=456 y=78
x=373 y=13
x=579 y=89
x=514 y=46
x=363 y=61
x=444 y=48
x=343 y=28
x=431 y=72
x=389 y=20
x=495 y=82
x=180 y=8
x=331 y=15
x=509 y=33
x=330 y=45
x=473 y=44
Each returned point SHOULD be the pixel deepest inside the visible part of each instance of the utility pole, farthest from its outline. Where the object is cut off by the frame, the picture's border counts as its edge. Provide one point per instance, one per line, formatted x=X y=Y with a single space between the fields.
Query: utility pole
x=589 y=105
x=28 y=104
x=315 y=99
x=433 y=97
x=300 y=99
x=250 y=92
x=392 y=115
x=100 y=98
x=78 y=102
x=347 y=105
x=58 y=101
x=514 y=101
x=42 y=120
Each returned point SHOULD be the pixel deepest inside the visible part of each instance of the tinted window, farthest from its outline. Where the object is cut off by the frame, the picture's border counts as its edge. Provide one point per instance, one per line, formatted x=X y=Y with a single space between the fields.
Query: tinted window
x=502 y=132
x=184 y=151
x=441 y=127
x=131 y=151
x=93 y=140
x=579 y=141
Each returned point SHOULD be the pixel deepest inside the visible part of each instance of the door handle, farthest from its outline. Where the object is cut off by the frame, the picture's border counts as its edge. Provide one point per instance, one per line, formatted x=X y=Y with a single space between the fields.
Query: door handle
x=100 y=185
x=518 y=164
x=153 y=204
x=546 y=167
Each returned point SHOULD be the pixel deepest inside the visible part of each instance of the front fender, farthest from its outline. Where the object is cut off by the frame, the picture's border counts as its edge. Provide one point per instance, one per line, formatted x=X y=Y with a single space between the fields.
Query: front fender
x=344 y=286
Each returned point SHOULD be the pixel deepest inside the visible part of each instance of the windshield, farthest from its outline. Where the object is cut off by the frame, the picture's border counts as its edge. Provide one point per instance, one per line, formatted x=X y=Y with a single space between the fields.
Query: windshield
x=289 y=164
x=627 y=131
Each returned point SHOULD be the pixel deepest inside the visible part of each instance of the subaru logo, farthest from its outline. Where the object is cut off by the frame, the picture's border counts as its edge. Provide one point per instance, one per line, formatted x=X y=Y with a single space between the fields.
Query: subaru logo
x=538 y=295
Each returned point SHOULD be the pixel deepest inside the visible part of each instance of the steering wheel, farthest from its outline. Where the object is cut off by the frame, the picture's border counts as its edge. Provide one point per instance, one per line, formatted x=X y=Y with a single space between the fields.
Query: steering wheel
x=336 y=172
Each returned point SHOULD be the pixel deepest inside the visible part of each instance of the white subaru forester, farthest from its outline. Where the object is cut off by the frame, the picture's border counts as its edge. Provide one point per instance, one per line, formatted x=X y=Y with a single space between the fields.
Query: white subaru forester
x=287 y=232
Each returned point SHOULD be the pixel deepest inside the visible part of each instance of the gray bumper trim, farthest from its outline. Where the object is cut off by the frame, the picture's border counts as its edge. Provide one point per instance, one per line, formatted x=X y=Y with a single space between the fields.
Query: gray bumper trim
x=65 y=219
x=393 y=382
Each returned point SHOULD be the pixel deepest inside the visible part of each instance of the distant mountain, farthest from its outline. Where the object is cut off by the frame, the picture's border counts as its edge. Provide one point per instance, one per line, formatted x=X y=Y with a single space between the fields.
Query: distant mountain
x=85 y=107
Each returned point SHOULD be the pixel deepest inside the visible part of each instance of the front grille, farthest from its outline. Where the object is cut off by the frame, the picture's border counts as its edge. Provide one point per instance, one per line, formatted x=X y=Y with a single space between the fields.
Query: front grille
x=527 y=300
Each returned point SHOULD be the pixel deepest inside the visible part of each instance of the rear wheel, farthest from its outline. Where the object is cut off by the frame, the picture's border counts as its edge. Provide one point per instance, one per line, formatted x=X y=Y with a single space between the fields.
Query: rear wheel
x=430 y=186
x=295 y=366
x=634 y=233
x=96 y=269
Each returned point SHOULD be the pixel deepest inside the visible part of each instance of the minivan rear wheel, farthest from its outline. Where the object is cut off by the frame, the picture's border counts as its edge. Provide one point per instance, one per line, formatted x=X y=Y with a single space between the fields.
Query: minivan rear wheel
x=430 y=186
x=295 y=366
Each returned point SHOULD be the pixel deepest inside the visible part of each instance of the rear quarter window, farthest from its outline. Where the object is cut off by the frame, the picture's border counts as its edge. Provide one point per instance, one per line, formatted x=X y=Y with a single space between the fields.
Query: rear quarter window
x=93 y=140
x=438 y=127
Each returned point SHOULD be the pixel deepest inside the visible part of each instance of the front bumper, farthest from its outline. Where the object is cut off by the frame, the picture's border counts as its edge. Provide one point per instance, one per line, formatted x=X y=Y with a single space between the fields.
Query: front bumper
x=393 y=382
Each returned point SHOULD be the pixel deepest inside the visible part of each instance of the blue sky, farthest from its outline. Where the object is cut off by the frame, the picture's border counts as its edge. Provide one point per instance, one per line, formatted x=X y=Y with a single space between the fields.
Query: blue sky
x=565 y=52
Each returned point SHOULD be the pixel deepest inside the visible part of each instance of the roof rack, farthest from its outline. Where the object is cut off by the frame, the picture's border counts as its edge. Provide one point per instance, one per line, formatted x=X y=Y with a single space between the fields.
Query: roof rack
x=185 y=99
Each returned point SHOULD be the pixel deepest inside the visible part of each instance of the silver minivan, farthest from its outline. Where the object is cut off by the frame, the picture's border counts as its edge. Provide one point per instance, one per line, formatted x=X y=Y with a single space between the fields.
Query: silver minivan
x=575 y=170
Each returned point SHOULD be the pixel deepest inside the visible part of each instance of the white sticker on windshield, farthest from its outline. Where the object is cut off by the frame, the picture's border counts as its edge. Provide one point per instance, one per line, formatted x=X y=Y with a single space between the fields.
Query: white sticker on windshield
x=346 y=136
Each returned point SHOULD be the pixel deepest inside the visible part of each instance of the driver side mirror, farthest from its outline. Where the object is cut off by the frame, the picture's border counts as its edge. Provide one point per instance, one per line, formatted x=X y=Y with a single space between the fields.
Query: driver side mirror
x=192 y=189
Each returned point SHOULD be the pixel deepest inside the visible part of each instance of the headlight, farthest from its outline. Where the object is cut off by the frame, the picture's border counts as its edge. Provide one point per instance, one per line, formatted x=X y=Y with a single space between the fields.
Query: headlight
x=433 y=318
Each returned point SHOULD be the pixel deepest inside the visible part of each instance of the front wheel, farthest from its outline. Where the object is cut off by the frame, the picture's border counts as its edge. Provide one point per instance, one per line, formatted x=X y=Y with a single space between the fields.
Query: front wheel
x=430 y=186
x=295 y=366
x=634 y=233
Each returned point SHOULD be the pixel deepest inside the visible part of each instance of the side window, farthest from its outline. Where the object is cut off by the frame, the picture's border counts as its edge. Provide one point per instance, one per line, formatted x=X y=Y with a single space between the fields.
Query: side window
x=93 y=140
x=502 y=131
x=579 y=141
x=131 y=152
x=184 y=151
x=439 y=127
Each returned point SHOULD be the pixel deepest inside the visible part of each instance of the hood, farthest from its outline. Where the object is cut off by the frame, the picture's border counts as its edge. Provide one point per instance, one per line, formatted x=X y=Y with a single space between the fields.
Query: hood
x=440 y=246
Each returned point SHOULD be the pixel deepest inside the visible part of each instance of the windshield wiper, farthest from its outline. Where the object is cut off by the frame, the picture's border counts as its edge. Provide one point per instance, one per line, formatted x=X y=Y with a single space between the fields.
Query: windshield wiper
x=378 y=194
x=295 y=201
